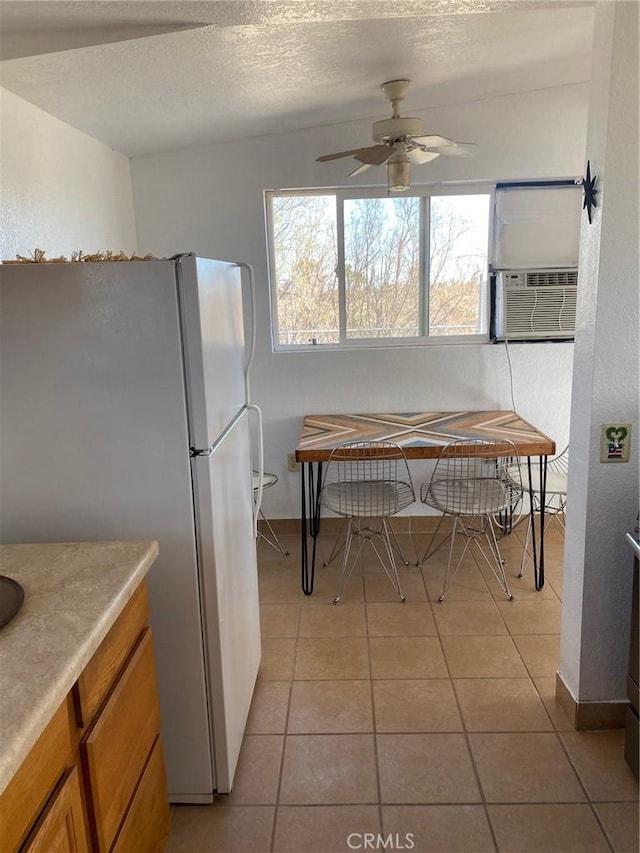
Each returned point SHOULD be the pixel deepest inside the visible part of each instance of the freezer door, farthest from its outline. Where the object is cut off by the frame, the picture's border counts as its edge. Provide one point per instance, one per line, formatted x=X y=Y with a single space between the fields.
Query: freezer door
x=229 y=590
x=213 y=340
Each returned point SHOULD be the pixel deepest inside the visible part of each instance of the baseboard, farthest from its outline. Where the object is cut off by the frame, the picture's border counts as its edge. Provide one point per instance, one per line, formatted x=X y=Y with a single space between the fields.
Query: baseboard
x=587 y=716
x=401 y=524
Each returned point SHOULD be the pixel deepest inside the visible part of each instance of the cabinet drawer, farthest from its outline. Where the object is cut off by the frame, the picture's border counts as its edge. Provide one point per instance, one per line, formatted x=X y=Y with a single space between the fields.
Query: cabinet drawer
x=147 y=824
x=100 y=673
x=115 y=749
x=36 y=778
x=61 y=826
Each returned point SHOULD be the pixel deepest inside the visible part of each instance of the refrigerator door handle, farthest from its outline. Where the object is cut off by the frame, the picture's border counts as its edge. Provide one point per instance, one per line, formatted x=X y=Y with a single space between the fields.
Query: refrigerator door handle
x=258 y=500
x=252 y=332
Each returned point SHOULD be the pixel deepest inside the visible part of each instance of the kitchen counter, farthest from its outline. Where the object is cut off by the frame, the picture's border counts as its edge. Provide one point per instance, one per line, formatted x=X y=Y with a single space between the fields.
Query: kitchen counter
x=73 y=594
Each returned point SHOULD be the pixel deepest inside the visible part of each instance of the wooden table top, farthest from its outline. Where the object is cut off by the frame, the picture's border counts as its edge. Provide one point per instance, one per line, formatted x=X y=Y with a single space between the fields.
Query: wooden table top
x=421 y=435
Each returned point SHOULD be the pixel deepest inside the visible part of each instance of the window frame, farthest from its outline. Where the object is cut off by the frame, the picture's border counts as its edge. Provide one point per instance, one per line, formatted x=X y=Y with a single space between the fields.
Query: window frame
x=342 y=194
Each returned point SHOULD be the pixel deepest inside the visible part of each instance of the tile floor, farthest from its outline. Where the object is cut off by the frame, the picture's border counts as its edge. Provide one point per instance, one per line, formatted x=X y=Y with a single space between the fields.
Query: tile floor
x=421 y=726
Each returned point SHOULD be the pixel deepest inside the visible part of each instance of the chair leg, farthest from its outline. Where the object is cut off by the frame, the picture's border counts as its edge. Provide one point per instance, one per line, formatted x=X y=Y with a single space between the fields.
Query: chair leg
x=395 y=580
x=500 y=574
x=270 y=537
x=430 y=551
x=346 y=570
x=338 y=545
x=398 y=548
x=445 y=584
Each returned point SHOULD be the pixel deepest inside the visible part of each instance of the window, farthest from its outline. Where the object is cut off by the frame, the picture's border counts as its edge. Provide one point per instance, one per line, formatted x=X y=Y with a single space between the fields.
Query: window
x=350 y=269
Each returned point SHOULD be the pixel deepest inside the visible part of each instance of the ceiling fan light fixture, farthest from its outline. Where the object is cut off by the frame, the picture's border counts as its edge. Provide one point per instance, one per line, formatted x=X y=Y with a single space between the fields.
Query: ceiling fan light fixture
x=398 y=173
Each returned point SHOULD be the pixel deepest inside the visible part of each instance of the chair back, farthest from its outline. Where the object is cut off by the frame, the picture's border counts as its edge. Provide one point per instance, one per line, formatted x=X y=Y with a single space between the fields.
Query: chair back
x=368 y=479
x=471 y=478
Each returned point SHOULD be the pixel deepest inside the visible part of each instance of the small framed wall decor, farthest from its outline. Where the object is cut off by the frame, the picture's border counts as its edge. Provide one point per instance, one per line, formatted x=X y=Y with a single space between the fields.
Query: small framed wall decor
x=615 y=441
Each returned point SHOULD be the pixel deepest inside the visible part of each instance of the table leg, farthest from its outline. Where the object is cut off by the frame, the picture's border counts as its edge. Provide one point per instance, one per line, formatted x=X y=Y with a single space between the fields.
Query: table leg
x=537 y=542
x=311 y=481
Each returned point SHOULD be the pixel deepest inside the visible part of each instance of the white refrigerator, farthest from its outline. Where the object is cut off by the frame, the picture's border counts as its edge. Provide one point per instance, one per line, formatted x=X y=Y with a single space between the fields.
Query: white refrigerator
x=124 y=414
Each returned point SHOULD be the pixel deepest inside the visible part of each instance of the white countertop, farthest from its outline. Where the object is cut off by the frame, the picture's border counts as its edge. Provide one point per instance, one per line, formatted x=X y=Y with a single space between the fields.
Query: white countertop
x=73 y=593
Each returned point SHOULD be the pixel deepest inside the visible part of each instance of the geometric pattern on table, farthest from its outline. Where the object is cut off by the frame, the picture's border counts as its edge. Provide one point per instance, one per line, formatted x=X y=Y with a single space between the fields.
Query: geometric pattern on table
x=420 y=434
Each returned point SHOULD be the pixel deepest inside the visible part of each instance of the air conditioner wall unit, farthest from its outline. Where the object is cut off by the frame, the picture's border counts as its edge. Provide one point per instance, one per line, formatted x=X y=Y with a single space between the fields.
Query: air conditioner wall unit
x=536 y=304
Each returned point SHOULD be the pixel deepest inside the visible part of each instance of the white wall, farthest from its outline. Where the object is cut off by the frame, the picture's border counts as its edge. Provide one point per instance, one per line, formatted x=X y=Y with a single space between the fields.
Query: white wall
x=604 y=497
x=61 y=190
x=210 y=200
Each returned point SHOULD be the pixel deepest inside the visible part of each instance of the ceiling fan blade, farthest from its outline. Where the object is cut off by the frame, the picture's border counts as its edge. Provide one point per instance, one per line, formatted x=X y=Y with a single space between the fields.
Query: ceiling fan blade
x=460 y=149
x=326 y=157
x=375 y=155
x=433 y=141
x=418 y=156
x=360 y=169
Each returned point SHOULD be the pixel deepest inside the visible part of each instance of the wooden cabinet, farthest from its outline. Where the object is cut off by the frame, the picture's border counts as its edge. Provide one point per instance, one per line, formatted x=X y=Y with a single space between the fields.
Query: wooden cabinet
x=60 y=828
x=33 y=785
x=95 y=779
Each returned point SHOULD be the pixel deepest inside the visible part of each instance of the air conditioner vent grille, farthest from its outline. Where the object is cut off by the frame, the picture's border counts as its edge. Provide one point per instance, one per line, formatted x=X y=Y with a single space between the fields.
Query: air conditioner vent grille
x=552 y=278
x=547 y=312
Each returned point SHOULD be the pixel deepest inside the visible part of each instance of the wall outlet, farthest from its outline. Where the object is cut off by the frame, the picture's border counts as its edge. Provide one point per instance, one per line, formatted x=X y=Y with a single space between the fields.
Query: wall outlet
x=615 y=442
x=292 y=465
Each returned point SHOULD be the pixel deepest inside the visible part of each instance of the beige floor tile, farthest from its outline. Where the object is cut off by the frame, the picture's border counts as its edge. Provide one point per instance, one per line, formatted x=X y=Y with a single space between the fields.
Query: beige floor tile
x=279 y=620
x=321 y=707
x=620 y=822
x=395 y=619
x=439 y=829
x=427 y=705
x=546 y=687
x=540 y=653
x=333 y=620
x=277 y=659
x=268 y=712
x=482 y=657
x=599 y=759
x=332 y=657
x=326 y=585
x=378 y=587
x=406 y=657
x=531 y=617
x=524 y=768
x=468 y=618
x=329 y=770
x=279 y=585
x=324 y=829
x=257 y=773
x=221 y=829
x=549 y=828
x=426 y=768
x=501 y=705
x=467 y=584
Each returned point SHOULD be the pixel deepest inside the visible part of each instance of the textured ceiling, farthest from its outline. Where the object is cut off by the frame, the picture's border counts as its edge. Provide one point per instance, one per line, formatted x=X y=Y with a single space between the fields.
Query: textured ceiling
x=152 y=76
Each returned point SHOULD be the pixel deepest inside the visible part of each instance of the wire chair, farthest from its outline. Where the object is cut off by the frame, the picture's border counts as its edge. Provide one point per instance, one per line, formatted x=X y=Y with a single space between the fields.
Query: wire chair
x=555 y=501
x=367 y=482
x=470 y=482
x=269 y=535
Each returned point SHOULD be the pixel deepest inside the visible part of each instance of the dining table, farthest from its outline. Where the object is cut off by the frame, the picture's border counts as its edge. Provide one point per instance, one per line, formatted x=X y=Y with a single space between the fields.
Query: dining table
x=421 y=435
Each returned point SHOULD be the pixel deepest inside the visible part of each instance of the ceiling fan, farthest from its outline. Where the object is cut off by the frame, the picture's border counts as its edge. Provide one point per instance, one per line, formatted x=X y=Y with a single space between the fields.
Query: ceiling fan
x=400 y=142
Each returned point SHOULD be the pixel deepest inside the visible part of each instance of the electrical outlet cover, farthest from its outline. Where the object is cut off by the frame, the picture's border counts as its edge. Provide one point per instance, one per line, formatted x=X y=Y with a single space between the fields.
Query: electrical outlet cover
x=615 y=442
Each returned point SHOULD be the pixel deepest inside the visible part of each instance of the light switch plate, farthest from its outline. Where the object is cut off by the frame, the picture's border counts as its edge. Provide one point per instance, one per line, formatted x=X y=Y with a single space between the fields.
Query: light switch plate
x=615 y=442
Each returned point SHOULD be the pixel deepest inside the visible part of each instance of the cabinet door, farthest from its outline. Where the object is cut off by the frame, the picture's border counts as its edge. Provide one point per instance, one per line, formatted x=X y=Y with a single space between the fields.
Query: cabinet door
x=116 y=748
x=61 y=827
x=36 y=778
x=148 y=820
